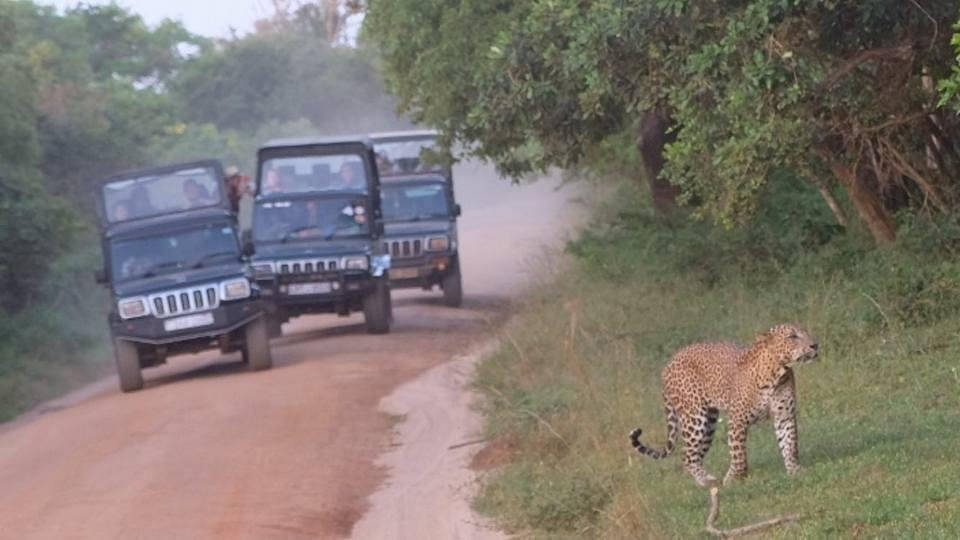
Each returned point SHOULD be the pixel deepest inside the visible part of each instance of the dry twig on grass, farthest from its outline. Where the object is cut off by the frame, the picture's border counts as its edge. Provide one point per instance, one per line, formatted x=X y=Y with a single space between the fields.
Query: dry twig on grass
x=739 y=531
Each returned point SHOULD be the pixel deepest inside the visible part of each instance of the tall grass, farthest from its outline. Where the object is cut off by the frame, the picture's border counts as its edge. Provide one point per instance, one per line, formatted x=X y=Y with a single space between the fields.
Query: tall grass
x=879 y=415
x=60 y=340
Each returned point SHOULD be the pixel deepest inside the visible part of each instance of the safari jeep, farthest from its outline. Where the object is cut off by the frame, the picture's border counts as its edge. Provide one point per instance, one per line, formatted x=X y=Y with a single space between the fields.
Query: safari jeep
x=317 y=228
x=420 y=214
x=174 y=265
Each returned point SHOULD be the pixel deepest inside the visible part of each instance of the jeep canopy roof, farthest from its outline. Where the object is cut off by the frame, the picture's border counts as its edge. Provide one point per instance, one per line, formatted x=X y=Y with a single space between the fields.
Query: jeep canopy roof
x=161 y=191
x=407 y=152
x=316 y=165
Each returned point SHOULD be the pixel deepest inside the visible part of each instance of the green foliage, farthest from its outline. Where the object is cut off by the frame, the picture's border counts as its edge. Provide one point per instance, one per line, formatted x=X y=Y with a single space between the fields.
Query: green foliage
x=61 y=341
x=877 y=414
x=949 y=86
x=752 y=88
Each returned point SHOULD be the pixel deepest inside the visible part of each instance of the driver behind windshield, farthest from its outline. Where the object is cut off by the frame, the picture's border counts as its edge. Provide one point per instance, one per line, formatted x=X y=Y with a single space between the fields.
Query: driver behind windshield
x=323 y=218
x=157 y=254
x=415 y=202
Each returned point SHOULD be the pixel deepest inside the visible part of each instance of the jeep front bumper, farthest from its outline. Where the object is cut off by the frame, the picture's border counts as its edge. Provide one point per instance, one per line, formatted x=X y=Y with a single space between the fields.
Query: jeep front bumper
x=162 y=331
x=421 y=272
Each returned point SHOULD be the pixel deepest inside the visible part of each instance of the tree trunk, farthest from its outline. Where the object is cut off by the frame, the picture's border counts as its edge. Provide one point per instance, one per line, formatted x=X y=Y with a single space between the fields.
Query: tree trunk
x=653 y=139
x=865 y=199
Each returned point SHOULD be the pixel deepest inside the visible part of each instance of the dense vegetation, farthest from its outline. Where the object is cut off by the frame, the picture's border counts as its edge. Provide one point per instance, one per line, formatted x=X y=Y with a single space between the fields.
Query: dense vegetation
x=93 y=90
x=798 y=162
x=840 y=93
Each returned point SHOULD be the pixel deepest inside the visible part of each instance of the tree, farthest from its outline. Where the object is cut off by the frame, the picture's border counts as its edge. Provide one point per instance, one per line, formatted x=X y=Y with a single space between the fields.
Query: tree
x=35 y=227
x=832 y=91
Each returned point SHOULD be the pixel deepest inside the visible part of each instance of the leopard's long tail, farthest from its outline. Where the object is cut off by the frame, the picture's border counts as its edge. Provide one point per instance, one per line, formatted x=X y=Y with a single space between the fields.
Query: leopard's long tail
x=658 y=453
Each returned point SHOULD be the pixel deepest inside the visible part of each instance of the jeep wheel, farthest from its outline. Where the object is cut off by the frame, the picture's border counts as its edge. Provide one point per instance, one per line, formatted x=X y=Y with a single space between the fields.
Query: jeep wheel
x=256 y=345
x=452 y=288
x=378 y=308
x=128 y=365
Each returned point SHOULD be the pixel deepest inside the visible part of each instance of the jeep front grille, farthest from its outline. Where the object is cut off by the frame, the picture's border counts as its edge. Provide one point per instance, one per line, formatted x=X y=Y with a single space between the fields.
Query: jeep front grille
x=183 y=301
x=307 y=266
x=410 y=247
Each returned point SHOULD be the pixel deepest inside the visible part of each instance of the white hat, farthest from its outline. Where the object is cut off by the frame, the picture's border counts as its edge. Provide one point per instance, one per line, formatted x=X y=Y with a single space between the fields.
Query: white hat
x=231 y=171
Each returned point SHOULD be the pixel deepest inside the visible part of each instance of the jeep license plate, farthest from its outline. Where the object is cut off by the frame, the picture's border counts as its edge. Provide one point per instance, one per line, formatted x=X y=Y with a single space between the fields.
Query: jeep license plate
x=188 y=321
x=321 y=287
x=404 y=273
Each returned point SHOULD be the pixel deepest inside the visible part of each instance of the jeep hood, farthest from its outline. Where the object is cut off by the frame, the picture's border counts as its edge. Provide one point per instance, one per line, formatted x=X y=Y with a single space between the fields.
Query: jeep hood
x=178 y=280
x=308 y=249
x=417 y=228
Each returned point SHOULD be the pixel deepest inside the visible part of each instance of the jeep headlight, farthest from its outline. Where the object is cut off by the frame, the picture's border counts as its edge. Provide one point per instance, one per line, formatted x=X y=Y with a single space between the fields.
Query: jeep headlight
x=131 y=308
x=235 y=289
x=438 y=243
x=262 y=269
x=356 y=263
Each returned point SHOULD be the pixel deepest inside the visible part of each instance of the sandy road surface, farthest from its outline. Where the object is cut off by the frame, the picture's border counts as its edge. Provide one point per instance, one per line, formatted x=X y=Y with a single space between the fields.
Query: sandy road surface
x=208 y=450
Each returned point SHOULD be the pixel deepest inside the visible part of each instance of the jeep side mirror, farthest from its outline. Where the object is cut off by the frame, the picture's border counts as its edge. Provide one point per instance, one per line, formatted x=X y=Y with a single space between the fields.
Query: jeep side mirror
x=457 y=210
x=100 y=276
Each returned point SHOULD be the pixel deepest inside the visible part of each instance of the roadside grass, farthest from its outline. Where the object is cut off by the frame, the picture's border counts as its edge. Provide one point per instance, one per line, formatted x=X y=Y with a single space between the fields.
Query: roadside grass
x=58 y=343
x=879 y=414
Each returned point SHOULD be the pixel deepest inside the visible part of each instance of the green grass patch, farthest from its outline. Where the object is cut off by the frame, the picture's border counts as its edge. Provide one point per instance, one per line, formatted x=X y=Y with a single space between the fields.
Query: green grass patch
x=879 y=414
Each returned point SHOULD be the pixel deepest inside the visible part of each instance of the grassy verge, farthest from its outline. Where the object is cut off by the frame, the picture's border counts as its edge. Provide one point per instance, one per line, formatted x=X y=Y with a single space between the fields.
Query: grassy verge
x=59 y=342
x=879 y=415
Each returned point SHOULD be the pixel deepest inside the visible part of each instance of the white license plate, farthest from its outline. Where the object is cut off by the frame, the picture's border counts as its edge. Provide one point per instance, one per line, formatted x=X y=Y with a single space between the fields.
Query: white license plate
x=188 y=321
x=404 y=273
x=322 y=287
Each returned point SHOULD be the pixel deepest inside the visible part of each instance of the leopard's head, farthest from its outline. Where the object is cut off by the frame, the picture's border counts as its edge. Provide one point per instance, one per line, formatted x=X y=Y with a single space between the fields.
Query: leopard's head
x=790 y=345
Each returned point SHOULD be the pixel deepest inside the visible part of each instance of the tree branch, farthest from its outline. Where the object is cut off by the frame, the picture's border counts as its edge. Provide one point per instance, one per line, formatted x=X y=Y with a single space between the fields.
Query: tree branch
x=739 y=531
x=900 y=52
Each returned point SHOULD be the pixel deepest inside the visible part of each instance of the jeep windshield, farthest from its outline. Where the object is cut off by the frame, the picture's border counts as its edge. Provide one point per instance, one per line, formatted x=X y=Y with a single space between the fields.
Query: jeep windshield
x=414 y=202
x=156 y=194
x=323 y=218
x=152 y=255
x=408 y=157
x=313 y=173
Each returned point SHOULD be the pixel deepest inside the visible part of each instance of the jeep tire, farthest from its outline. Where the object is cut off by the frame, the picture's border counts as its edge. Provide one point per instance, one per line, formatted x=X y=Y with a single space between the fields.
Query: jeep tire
x=377 y=307
x=128 y=365
x=256 y=345
x=452 y=287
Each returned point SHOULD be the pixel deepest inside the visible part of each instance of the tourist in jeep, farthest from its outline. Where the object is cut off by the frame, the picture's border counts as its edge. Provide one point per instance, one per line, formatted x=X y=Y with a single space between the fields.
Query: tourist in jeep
x=196 y=195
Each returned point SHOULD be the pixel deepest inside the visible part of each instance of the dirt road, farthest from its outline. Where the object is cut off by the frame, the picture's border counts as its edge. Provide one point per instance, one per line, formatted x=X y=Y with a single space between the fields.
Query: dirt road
x=208 y=450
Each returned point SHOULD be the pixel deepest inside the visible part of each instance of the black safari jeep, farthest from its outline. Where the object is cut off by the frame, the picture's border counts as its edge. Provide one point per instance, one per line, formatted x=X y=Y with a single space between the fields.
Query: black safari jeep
x=317 y=230
x=174 y=264
x=419 y=213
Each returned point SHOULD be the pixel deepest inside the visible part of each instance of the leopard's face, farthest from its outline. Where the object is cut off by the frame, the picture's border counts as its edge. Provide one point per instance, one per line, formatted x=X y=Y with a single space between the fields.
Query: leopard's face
x=792 y=345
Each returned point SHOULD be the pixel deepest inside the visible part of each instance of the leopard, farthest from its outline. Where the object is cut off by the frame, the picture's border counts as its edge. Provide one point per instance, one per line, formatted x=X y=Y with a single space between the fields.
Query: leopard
x=748 y=383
